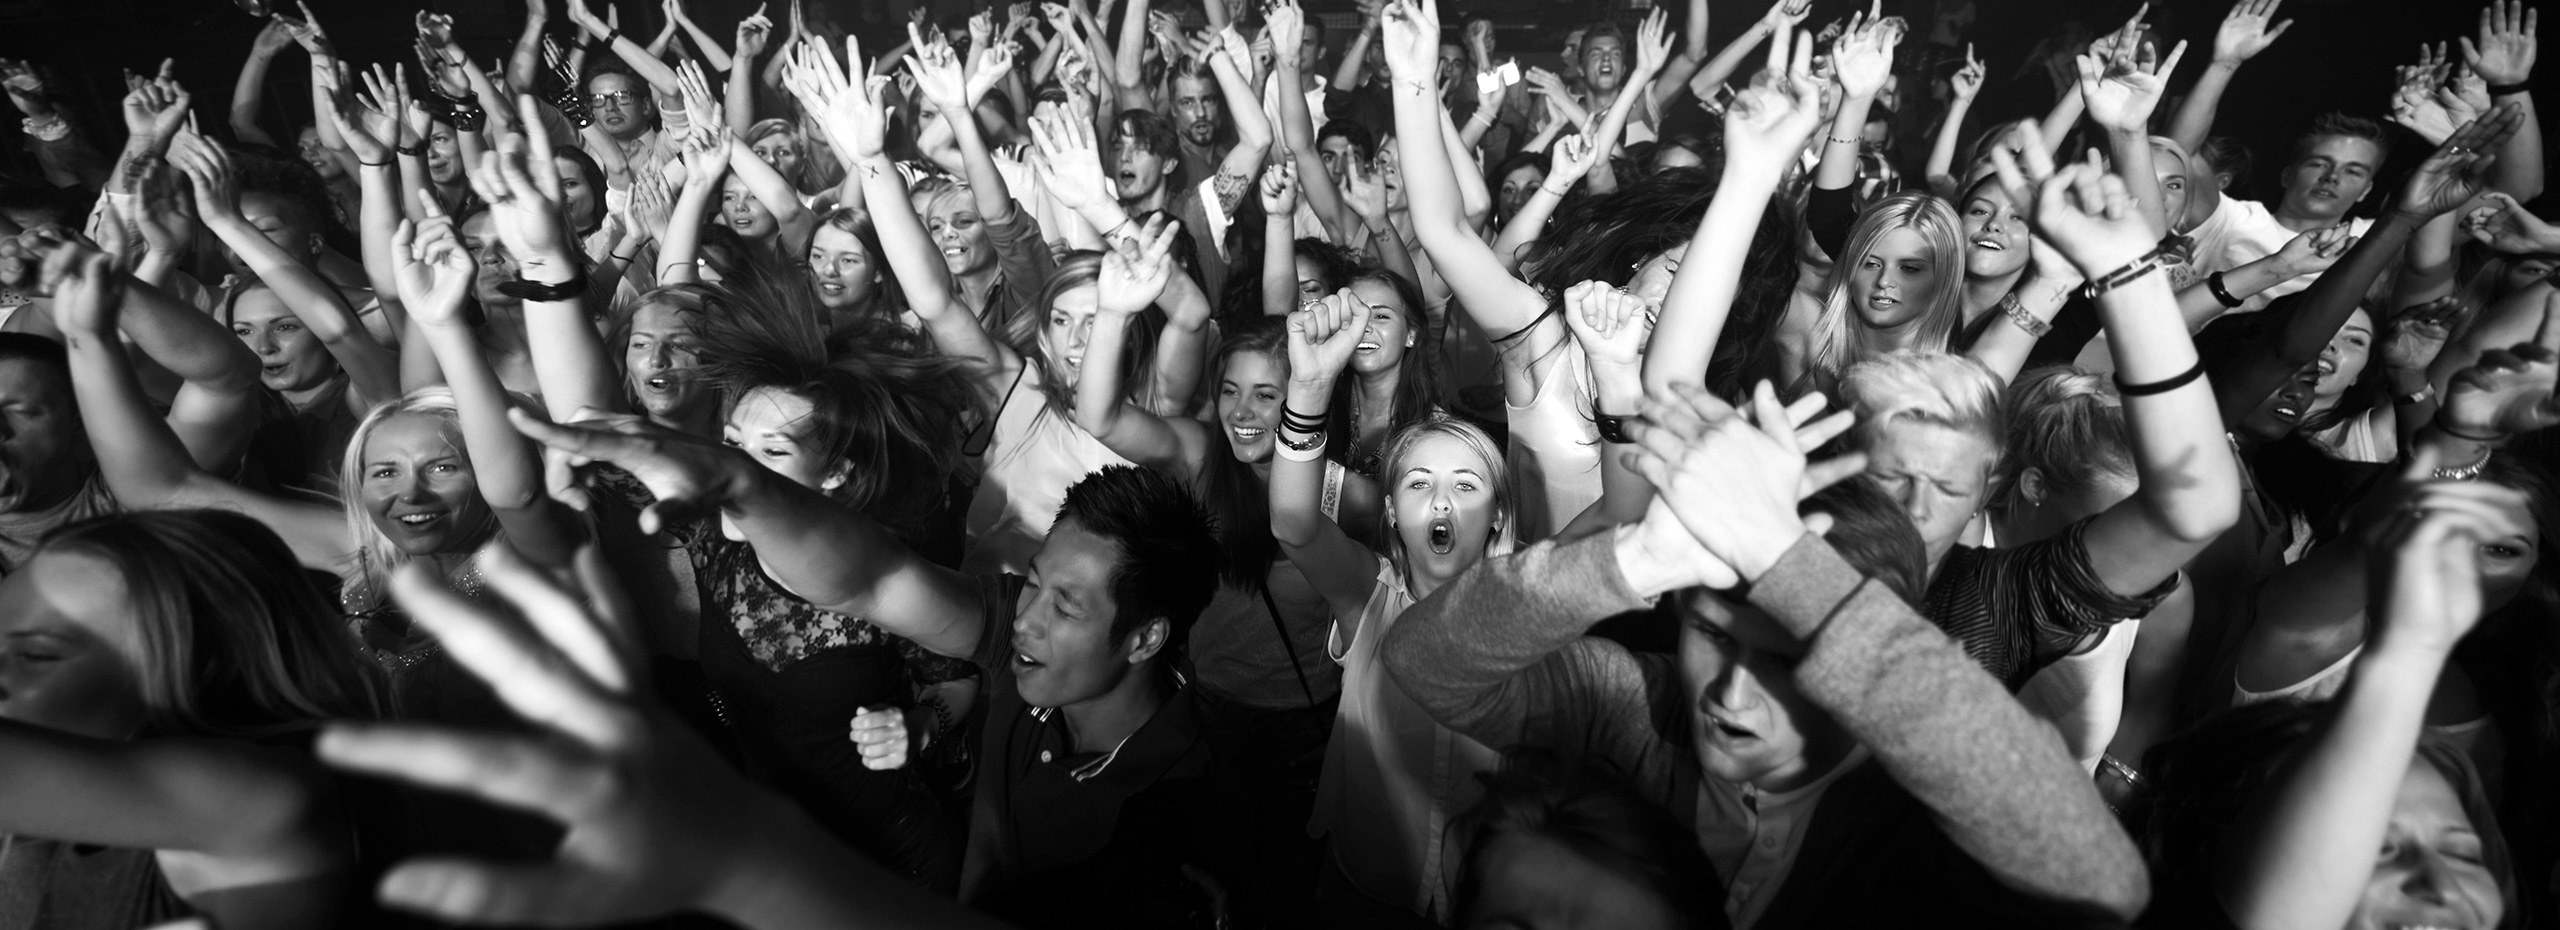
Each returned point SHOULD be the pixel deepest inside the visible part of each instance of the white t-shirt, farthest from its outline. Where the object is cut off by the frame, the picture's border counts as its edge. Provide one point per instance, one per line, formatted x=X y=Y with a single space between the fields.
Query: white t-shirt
x=2243 y=231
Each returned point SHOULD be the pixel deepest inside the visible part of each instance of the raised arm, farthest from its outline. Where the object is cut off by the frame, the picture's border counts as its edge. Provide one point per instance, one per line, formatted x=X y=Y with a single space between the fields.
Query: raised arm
x=1355 y=56
x=1966 y=84
x=1782 y=17
x=524 y=59
x=754 y=33
x=1133 y=276
x=251 y=89
x=2120 y=91
x=1322 y=339
x=1570 y=158
x=2189 y=486
x=1861 y=60
x=660 y=76
x=706 y=161
x=1287 y=24
x=436 y=275
x=1279 y=238
x=1667 y=87
x=1765 y=126
x=2244 y=33
x=2305 y=851
x=711 y=50
x=2503 y=57
x=574 y=369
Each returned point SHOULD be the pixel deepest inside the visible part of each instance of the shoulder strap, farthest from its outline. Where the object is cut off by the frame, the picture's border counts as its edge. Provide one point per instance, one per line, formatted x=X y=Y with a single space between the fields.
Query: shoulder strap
x=1283 y=629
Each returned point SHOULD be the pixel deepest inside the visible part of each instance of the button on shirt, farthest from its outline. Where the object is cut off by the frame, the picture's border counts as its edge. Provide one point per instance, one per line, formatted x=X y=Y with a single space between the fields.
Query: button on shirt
x=1753 y=836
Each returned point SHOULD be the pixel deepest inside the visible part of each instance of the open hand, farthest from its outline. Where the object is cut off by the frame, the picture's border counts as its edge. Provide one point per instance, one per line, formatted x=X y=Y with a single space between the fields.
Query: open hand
x=1135 y=269
x=434 y=273
x=2508 y=391
x=2459 y=168
x=2245 y=32
x=2505 y=50
x=2507 y=226
x=2411 y=341
x=1766 y=125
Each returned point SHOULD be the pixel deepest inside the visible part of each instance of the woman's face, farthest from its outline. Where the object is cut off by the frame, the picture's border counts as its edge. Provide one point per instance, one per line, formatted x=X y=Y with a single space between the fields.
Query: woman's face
x=290 y=358
x=772 y=425
x=419 y=489
x=2432 y=869
x=842 y=268
x=1443 y=505
x=1063 y=335
x=1891 y=283
x=658 y=362
x=444 y=154
x=1391 y=174
x=780 y=151
x=1996 y=238
x=1382 y=346
x=2526 y=271
x=2506 y=565
x=2171 y=171
x=317 y=155
x=479 y=236
x=956 y=229
x=1249 y=394
x=1652 y=280
x=1529 y=882
x=577 y=200
x=744 y=213
x=62 y=618
x=1520 y=185
x=2343 y=360
x=1939 y=475
x=2276 y=417
x=1668 y=156
x=1310 y=279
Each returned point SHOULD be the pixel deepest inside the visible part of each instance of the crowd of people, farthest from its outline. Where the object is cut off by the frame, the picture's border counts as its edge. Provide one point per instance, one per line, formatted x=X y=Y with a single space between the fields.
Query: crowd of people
x=655 y=481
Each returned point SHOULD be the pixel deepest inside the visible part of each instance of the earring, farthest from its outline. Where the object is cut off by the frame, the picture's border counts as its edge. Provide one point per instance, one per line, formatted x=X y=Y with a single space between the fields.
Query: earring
x=1408 y=340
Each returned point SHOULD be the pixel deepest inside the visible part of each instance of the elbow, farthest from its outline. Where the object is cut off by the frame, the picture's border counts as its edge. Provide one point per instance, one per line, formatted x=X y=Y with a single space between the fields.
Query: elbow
x=2196 y=516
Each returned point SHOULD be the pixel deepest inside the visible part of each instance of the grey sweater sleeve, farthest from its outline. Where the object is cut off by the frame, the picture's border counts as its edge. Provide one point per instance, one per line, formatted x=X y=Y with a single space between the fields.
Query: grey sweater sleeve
x=1487 y=655
x=1998 y=779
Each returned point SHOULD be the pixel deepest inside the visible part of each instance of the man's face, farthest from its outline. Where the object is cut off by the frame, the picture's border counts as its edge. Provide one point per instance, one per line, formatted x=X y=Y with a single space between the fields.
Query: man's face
x=1749 y=722
x=1197 y=109
x=1337 y=153
x=1063 y=651
x=1453 y=62
x=1142 y=172
x=2331 y=175
x=44 y=455
x=619 y=104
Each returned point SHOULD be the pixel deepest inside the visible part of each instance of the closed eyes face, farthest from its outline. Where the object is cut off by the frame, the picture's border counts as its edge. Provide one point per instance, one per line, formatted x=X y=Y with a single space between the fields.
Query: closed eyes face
x=841 y=267
x=772 y=426
x=1310 y=279
x=1995 y=234
x=290 y=358
x=496 y=267
x=418 y=486
x=1938 y=474
x=62 y=615
x=2343 y=360
x=2432 y=869
x=1383 y=346
x=1891 y=283
x=278 y=220
x=1653 y=276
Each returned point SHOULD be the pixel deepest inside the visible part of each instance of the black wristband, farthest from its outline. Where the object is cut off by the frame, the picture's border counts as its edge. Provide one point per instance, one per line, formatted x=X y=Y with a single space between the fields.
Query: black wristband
x=2163 y=386
x=418 y=149
x=2466 y=437
x=538 y=292
x=2509 y=90
x=1613 y=429
x=2221 y=295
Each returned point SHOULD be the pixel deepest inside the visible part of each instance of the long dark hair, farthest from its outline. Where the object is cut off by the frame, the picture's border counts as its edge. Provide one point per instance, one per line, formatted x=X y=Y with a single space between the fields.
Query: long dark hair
x=1417 y=375
x=1229 y=486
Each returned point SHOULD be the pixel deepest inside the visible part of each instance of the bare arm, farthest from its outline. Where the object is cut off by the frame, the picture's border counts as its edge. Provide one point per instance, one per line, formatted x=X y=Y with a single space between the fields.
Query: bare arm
x=1134 y=276
x=1322 y=340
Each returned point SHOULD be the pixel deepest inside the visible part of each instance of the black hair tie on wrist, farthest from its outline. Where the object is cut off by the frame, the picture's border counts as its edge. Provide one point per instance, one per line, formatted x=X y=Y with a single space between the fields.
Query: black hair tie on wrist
x=2221 y=294
x=2508 y=90
x=418 y=149
x=538 y=292
x=2162 y=386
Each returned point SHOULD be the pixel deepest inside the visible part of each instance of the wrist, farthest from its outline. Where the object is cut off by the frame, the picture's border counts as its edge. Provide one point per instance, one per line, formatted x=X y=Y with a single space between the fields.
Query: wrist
x=2408 y=380
x=1644 y=569
x=547 y=268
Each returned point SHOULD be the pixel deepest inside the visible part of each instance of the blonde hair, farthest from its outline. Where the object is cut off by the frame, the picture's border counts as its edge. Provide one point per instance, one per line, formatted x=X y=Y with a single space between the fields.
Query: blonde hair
x=1930 y=387
x=1497 y=472
x=1840 y=338
x=2068 y=425
x=366 y=580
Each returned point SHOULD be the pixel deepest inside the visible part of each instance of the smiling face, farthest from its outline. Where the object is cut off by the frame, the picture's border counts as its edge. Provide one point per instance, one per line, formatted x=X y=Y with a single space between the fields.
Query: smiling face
x=307 y=144
x=1389 y=334
x=1063 y=650
x=64 y=620
x=1250 y=391
x=2332 y=174
x=44 y=454
x=1653 y=277
x=952 y=220
x=444 y=154
x=1063 y=335
x=1442 y=501
x=743 y=212
x=1995 y=234
x=1197 y=109
x=620 y=104
x=418 y=486
x=1889 y=286
x=658 y=363
x=841 y=267
x=2275 y=417
x=2171 y=171
x=290 y=358
x=2432 y=870
x=1747 y=719
x=1940 y=475
x=2343 y=360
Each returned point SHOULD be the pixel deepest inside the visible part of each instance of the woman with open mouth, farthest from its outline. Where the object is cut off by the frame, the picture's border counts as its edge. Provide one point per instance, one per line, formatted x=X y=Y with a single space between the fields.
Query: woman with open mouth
x=1393 y=777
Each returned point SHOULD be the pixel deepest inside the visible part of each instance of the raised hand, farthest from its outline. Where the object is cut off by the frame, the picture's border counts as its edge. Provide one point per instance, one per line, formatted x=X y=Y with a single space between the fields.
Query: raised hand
x=695 y=87
x=2312 y=251
x=2507 y=226
x=2425 y=574
x=1785 y=15
x=995 y=60
x=1280 y=187
x=1286 y=24
x=1571 y=158
x=1732 y=482
x=155 y=107
x=1863 y=58
x=1967 y=81
x=209 y=172
x=1323 y=336
x=2411 y=341
x=1766 y=125
x=2418 y=103
x=25 y=88
x=1410 y=38
x=2508 y=391
x=306 y=31
x=1609 y=323
x=882 y=735
x=1135 y=269
x=2459 y=168
x=937 y=71
x=2087 y=212
x=162 y=213
x=431 y=269
x=705 y=158
x=523 y=193
x=2504 y=53
x=272 y=38
x=2245 y=32
x=2122 y=90
x=87 y=288
x=754 y=33
x=1653 y=45
x=1071 y=164
x=1365 y=191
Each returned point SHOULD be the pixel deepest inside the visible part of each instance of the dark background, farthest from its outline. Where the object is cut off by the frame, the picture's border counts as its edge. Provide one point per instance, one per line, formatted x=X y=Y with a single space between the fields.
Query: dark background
x=2339 y=54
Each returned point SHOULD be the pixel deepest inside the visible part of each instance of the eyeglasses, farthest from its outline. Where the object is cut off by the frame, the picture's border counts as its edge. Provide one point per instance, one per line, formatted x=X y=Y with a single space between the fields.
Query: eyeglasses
x=619 y=98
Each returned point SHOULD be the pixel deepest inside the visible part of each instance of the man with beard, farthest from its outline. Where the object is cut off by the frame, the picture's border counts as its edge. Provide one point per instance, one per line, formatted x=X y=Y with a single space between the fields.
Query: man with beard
x=1200 y=119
